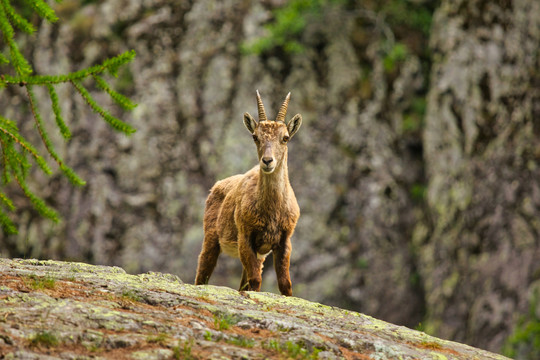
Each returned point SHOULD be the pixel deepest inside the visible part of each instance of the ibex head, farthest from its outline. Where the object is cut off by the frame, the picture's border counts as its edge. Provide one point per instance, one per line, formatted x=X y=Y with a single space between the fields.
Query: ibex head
x=271 y=137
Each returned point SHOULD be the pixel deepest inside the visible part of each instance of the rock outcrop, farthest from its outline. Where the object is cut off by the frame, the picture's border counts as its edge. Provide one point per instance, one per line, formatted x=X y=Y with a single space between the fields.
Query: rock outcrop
x=63 y=310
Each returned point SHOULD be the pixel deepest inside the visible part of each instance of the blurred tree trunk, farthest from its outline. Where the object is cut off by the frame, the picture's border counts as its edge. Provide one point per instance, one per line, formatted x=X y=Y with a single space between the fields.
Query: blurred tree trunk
x=480 y=257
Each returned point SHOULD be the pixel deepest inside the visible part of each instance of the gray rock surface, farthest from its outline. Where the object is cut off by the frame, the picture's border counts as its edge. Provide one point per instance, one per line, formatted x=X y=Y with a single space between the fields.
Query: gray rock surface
x=61 y=310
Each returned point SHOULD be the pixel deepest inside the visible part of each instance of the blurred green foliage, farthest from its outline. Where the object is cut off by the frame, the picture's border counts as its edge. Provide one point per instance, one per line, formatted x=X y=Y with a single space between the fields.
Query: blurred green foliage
x=418 y=192
x=397 y=53
x=524 y=343
x=289 y=21
x=413 y=117
x=287 y=25
x=414 y=15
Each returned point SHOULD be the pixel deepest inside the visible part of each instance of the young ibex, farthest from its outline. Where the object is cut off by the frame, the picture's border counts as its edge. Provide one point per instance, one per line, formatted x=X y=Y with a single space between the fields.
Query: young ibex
x=250 y=215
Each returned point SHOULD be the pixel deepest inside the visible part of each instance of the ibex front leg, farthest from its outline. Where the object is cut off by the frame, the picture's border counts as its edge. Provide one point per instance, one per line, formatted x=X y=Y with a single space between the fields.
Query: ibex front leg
x=207 y=259
x=251 y=263
x=282 y=256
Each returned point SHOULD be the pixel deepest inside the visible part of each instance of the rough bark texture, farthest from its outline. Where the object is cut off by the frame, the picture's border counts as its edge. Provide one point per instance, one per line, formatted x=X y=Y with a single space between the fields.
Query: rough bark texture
x=463 y=260
x=56 y=310
x=481 y=257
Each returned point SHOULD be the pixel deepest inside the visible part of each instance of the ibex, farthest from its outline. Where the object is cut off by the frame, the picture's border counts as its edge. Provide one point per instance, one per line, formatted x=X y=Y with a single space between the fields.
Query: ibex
x=248 y=216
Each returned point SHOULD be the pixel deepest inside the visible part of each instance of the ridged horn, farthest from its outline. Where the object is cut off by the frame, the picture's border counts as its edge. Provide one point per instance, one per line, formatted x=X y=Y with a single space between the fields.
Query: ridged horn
x=283 y=109
x=260 y=107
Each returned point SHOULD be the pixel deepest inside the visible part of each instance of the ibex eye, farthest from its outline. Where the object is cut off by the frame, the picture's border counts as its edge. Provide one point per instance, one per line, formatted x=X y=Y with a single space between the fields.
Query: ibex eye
x=285 y=138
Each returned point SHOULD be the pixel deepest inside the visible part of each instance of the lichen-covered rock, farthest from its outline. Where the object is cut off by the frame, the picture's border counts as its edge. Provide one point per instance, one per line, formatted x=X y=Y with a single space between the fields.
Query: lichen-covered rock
x=61 y=310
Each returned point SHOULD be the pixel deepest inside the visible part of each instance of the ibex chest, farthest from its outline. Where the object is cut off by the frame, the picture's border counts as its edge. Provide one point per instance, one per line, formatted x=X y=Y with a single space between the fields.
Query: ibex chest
x=270 y=231
x=263 y=240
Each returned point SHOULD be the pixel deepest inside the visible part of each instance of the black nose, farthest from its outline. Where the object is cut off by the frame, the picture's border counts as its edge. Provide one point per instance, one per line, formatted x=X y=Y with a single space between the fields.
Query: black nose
x=267 y=160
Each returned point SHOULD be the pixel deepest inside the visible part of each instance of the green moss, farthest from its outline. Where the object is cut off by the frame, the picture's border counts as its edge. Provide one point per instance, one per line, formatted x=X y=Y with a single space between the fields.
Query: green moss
x=293 y=350
x=183 y=350
x=131 y=295
x=242 y=342
x=41 y=282
x=44 y=338
x=224 y=321
x=158 y=339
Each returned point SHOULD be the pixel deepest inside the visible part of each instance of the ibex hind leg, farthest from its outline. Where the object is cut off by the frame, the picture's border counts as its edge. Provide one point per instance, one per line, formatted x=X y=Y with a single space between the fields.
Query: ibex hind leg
x=207 y=259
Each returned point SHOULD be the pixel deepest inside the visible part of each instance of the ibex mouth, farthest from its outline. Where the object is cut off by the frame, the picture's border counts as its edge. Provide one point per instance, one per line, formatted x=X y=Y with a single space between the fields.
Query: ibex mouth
x=267 y=169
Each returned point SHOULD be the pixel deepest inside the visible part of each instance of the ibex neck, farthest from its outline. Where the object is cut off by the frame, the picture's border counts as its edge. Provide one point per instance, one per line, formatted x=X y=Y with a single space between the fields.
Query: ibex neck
x=273 y=187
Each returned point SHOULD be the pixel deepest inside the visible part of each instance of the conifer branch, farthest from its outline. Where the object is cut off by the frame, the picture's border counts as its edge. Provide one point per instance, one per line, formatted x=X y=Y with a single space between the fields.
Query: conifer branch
x=43 y=10
x=22 y=67
x=3 y=60
x=111 y=65
x=70 y=174
x=6 y=201
x=8 y=128
x=17 y=19
x=5 y=161
x=38 y=203
x=15 y=148
x=7 y=225
x=120 y=99
x=64 y=130
x=116 y=123
x=19 y=173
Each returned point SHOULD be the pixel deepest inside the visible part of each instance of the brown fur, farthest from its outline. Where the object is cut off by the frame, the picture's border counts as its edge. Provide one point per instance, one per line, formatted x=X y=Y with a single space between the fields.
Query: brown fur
x=248 y=216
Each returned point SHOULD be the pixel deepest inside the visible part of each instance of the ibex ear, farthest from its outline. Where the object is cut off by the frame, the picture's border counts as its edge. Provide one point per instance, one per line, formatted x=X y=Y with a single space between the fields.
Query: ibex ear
x=250 y=123
x=294 y=124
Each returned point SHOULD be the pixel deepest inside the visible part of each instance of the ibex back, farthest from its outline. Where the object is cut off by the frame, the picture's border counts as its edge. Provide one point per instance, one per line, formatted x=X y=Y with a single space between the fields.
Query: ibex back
x=250 y=215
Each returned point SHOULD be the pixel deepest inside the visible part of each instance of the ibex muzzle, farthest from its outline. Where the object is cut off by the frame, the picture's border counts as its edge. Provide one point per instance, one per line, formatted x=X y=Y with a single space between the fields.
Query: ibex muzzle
x=267 y=160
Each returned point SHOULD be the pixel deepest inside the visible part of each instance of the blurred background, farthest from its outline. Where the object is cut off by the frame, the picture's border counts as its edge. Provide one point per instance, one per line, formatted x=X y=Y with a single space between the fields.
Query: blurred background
x=416 y=168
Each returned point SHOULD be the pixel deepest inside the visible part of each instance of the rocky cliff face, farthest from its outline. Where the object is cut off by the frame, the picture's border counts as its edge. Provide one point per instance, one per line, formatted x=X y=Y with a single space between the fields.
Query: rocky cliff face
x=415 y=168
x=482 y=152
x=57 y=310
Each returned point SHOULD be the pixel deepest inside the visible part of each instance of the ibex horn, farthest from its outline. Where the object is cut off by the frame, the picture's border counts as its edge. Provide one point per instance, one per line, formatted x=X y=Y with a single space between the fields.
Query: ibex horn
x=260 y=107
x=283 y=109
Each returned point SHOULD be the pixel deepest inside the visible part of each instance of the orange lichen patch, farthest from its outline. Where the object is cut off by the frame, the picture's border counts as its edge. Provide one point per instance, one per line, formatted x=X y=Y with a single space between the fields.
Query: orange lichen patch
x=346 y=353
x=431 y=345
x=14 y=283
x=60 y=289
x=353 y=355
x=81 y=350
x=252 y=333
